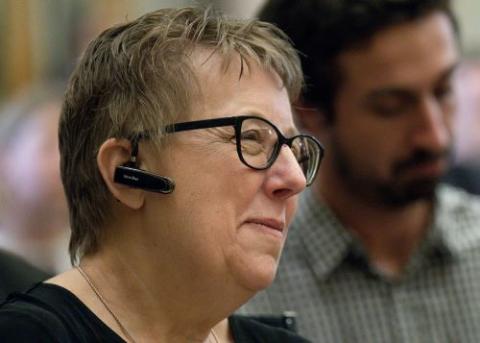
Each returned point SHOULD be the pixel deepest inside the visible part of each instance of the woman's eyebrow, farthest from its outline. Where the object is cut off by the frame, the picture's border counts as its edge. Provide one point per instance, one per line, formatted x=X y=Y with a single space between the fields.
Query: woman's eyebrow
x=291 y=131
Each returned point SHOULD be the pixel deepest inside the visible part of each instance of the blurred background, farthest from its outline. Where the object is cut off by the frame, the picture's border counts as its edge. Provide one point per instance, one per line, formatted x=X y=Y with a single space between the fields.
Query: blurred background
x=40 y=41
x=42 y=38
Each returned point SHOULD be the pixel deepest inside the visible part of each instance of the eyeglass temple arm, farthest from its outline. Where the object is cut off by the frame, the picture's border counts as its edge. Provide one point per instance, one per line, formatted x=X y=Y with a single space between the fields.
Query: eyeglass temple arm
x=186 y=126
x=200 y=124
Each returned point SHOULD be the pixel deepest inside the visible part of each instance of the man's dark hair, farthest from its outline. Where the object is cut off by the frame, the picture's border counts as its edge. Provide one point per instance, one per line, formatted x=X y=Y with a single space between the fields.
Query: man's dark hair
x=322 y=29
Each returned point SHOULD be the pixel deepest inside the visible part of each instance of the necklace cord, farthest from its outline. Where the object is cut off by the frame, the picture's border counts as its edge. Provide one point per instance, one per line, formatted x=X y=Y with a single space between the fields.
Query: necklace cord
x=104 y=303
x=214 y=336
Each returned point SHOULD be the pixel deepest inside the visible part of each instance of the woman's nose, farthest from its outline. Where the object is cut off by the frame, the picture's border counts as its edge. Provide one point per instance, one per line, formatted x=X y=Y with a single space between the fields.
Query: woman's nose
x=285 y=176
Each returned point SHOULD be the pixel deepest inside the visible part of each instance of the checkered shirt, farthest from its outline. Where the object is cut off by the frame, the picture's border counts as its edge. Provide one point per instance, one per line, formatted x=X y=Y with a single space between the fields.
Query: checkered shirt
x=326 y=278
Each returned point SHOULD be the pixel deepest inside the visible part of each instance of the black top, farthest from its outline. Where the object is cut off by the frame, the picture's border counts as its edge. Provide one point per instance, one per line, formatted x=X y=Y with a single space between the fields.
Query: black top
x=16 y=274
x=248 y=330
x=49 y=313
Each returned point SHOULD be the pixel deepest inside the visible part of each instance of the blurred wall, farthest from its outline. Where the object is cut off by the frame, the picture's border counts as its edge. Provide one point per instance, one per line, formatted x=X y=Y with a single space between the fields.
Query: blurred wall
x=42 y=38
x=468 y=12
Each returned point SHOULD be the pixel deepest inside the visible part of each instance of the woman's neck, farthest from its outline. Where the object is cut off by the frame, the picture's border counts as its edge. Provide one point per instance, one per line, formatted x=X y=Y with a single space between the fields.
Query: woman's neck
x=151 y=308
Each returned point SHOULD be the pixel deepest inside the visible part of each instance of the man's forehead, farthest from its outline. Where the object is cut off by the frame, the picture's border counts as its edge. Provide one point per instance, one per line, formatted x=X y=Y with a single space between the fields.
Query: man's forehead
x=391 y=39
x=406 y=54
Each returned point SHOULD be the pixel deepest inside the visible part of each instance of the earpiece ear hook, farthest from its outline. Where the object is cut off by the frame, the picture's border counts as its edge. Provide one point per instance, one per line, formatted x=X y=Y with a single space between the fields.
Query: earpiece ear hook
x=130 y=175
x=132 y=163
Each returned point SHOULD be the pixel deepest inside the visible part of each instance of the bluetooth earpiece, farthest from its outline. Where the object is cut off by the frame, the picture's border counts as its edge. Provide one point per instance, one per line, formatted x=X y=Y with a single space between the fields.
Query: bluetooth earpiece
x=130 y=175
x=139 y=178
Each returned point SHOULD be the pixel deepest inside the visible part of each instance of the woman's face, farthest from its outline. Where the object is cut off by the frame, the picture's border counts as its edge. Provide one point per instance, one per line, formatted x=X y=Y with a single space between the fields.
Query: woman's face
x=225 y=220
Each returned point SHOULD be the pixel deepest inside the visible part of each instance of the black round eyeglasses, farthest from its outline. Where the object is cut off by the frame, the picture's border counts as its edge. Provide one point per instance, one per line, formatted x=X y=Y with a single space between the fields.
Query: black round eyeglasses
x=259 y=142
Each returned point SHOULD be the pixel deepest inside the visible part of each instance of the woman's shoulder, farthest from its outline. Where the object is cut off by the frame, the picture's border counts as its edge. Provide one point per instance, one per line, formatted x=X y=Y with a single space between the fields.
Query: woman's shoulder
x=26 y=317
x=17 y=274
x=49 y=313
x=251 y=330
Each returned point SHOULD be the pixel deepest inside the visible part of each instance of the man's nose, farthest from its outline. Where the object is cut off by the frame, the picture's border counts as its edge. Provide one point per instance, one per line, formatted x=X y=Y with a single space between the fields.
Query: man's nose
x=432 y=129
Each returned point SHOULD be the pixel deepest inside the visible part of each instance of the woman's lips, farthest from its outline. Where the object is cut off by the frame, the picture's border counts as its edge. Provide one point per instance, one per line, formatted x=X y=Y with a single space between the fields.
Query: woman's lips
x=274 y=226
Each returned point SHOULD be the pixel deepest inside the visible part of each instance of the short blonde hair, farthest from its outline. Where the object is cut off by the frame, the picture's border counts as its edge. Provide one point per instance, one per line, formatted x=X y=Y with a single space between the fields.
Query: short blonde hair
x=138 y=77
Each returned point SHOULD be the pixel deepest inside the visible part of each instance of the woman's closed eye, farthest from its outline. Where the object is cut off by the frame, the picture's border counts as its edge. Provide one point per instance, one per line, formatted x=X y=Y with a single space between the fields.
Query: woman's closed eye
x=252 y=135
x=253 y=141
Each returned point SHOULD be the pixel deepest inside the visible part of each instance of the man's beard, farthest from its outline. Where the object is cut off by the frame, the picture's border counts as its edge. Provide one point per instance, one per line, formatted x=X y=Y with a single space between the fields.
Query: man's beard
x=396 y=192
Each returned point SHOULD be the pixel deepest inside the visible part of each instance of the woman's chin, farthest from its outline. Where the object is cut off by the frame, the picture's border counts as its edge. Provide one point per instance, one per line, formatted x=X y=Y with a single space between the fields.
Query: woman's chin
x=257 y=276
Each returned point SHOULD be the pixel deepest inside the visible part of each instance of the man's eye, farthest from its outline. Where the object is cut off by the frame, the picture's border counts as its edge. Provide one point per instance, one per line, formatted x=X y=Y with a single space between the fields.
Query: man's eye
x=391 y=106
x=391 y=103
x=443 y=92
x=389 y=110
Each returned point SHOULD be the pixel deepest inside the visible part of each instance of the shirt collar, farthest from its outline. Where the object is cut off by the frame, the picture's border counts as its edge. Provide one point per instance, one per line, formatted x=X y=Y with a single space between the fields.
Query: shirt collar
x=457 y=220
x=328 y=243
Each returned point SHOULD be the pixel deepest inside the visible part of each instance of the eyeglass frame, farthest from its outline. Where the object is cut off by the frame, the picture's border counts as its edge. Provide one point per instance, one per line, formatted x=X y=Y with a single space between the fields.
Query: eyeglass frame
x=236 y=122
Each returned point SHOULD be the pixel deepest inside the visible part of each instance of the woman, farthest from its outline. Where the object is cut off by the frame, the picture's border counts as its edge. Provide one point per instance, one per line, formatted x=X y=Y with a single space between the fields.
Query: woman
x=180 y=182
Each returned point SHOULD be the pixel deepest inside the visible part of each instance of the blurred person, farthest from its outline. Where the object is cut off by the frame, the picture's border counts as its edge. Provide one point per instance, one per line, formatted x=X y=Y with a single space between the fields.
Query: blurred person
x=378 y=251
x=16 y=275
x=182 y=167
x=33 y=210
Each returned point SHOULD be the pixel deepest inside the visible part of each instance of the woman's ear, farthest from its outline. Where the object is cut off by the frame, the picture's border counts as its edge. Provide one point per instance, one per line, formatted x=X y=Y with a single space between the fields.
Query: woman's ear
x=113 y=153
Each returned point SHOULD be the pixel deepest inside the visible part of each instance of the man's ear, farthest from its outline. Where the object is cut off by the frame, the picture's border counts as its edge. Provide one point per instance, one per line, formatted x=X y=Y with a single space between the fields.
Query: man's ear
x=113 y=153
x=310 y=119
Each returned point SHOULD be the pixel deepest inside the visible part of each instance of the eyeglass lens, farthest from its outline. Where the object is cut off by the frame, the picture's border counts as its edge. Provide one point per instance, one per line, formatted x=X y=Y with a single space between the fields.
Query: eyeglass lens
x=259 y=143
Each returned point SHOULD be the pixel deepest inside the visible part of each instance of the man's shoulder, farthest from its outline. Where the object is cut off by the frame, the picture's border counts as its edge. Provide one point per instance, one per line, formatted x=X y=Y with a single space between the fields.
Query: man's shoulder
x=458 y=217
x=454 y=201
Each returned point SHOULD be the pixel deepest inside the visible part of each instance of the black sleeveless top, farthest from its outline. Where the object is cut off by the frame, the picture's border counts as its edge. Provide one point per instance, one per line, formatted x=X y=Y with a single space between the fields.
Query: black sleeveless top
x=50 y=313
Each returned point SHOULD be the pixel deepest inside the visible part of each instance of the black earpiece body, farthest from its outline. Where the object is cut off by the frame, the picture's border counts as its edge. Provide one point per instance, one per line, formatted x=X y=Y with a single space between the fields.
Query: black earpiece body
x=139 y=178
